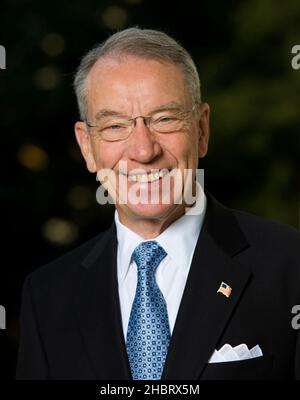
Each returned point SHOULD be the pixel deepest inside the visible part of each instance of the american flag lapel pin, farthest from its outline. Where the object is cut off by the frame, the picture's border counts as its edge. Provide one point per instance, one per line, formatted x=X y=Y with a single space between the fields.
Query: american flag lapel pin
x=225 y=289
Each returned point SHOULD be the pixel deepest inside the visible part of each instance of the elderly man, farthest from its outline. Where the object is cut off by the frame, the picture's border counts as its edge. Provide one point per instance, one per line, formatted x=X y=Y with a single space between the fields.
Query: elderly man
x=180 y=287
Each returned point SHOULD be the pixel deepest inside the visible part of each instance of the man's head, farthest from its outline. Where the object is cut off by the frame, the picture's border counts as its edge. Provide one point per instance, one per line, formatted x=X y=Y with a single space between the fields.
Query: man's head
x=141 y=73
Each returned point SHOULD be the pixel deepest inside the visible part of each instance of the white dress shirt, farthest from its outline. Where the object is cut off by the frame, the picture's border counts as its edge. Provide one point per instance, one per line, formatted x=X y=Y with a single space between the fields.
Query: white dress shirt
x=179 y=241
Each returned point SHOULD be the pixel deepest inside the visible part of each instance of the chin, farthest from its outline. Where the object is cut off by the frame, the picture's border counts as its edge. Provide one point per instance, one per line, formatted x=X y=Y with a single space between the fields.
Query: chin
x=151 y=211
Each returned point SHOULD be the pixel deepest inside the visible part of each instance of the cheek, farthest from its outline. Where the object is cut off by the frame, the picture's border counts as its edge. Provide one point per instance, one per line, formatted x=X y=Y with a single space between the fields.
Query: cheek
x=107 y=155
x=183 y=147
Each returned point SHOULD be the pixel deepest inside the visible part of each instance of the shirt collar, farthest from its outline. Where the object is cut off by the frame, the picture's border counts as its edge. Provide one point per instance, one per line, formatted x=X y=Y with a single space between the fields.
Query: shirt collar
x=178 y=240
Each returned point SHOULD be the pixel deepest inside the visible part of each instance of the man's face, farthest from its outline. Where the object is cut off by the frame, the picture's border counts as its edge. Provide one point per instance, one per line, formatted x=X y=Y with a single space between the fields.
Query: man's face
x=136 y=87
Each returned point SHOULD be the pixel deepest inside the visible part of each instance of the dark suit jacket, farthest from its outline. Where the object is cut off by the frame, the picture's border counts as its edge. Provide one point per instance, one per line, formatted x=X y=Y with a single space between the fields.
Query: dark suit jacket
x=71 y=322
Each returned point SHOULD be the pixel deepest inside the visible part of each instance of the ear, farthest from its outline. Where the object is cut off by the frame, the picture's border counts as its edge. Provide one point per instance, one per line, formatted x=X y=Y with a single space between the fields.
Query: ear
x=203 y=129
x=84 y=141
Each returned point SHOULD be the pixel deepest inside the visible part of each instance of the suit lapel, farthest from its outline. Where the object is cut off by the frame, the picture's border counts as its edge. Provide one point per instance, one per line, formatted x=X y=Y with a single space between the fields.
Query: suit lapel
x=98 y=311
x=204 y=313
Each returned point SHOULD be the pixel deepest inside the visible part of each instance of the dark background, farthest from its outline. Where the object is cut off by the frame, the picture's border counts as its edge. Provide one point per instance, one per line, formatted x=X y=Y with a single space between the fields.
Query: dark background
x=243 y=53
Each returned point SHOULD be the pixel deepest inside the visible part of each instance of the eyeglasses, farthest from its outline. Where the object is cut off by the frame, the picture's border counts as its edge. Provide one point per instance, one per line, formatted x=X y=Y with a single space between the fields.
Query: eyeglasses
x=115 y=128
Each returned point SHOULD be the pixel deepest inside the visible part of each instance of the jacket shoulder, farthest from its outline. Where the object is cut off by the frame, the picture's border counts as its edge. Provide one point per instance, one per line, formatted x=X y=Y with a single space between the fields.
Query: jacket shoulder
x=272 y=242
x=261 y=228
x=65 y=268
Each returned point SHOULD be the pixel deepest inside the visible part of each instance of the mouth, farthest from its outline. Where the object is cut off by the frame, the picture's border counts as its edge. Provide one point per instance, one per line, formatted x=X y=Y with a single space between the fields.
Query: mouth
x=148 y=177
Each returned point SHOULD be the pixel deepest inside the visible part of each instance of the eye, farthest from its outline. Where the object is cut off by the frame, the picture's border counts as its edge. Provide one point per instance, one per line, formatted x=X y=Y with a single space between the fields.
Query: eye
x=165 y=119
x=114 y=127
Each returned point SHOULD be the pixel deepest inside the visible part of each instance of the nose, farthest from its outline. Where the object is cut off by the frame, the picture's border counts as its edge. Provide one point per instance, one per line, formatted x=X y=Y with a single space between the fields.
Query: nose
x=143 y=145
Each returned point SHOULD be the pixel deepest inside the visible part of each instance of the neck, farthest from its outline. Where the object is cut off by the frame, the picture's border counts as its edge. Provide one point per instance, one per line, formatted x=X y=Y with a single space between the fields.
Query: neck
x=150 y=228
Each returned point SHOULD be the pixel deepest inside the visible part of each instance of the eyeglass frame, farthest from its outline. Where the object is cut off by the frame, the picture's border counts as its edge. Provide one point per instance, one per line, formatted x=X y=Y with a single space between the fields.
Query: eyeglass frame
x=132 y=121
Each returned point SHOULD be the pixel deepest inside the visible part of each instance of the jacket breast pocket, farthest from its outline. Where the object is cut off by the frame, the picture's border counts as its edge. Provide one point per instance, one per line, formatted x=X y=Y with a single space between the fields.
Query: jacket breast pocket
x=255 y=369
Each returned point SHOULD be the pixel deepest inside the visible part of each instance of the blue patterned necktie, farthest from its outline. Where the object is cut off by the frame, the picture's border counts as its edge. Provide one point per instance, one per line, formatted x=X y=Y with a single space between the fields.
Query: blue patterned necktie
x=148 y=334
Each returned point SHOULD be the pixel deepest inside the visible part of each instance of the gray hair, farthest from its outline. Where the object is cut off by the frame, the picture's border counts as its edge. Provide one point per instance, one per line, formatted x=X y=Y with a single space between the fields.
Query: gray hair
x=144 y=43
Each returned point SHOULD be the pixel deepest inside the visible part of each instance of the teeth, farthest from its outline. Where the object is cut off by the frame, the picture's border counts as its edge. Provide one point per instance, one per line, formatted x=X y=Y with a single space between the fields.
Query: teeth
x=147 y=177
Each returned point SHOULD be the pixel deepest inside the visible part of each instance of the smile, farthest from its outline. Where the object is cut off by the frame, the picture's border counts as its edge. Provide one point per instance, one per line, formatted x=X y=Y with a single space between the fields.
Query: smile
x=150 y=177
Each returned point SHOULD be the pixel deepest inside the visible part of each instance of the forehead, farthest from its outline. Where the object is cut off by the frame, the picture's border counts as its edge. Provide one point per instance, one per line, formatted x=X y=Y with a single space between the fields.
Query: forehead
x=134 y=82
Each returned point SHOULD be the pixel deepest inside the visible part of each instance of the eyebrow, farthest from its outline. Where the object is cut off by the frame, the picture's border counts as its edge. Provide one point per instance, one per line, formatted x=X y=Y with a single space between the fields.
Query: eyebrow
x=108 y=113
x=173 y=105
x=105 y=112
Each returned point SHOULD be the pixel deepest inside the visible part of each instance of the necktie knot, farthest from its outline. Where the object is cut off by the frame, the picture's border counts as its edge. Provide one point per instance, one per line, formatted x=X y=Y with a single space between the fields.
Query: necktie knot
x=148 y=255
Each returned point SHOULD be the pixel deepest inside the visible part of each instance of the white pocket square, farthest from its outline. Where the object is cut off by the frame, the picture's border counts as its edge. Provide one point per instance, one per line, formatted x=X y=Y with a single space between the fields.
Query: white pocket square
x=237 y=353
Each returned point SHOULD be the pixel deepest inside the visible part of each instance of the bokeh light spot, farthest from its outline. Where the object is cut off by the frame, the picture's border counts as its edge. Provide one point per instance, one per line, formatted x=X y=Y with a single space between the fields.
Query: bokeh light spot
x=79 y=197
x=114 y=17
x=33 y=157
x=60 y=231
x=47 y=78
x=53 y=44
